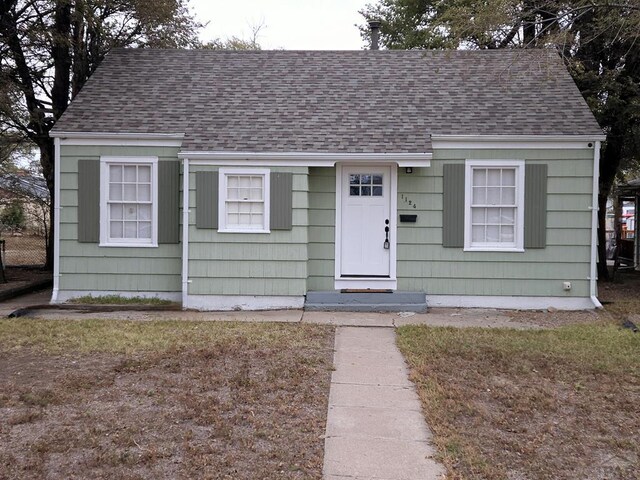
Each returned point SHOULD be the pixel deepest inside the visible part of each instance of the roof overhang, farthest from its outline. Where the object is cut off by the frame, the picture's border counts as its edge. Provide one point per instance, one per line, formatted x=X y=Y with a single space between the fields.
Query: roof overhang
x=306 y=159
x=119 y=139
x=515 y=141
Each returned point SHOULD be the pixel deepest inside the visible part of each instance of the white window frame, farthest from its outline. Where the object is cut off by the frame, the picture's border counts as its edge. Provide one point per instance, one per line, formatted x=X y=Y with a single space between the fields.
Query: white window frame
x=105 y=240
x=518 y=245
x=223 y=174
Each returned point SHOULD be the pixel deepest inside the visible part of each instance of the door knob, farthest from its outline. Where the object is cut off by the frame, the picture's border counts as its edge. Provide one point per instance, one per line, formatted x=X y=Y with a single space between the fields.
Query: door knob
x=386 y=235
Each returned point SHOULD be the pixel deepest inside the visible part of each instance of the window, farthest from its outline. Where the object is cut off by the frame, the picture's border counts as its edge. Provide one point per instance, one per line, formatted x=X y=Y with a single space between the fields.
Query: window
x=128 y=201
x=494 y=204
x=244 y=200
x=365 y=185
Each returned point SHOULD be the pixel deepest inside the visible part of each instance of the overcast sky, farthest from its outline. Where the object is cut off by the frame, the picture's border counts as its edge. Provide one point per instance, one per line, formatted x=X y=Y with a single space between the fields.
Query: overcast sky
x=287 y=24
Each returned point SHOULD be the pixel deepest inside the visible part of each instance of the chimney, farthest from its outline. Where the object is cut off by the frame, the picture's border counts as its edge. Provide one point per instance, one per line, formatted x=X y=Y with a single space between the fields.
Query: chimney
x=374 y=25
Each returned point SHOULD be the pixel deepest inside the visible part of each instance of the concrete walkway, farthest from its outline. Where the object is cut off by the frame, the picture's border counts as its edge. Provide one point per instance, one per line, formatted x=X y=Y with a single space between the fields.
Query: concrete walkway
x=375 y=427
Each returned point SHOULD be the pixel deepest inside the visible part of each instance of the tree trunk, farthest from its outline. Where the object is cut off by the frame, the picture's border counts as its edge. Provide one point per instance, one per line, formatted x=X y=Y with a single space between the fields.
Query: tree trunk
x=47 y=157
x=603 y=271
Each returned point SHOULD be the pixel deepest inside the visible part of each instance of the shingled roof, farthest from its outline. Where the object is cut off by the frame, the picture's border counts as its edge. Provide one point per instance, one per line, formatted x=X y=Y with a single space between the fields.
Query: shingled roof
x=329 y=101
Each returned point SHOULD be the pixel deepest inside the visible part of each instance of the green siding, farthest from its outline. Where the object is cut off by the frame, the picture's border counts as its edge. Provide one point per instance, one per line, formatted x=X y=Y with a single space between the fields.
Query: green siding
x=88 y=267
x=423 y=264
x=251 y=263
x=322 y=218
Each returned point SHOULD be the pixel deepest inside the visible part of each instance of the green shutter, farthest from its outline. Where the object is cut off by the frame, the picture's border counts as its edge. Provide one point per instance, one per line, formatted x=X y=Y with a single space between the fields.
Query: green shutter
x=281 y=201
x=168 y=202
x=535 y=206
x=89 y=201
x=207 y=199
x=453 y=206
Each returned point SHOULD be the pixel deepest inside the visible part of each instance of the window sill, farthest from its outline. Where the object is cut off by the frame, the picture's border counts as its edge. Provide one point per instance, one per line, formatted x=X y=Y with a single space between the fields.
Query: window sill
x=494 y=249
x=129 y=245
x=243 y=231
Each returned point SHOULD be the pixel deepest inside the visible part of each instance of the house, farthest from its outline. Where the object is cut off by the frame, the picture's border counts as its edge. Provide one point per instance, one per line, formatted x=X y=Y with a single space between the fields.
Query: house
x=254 y=180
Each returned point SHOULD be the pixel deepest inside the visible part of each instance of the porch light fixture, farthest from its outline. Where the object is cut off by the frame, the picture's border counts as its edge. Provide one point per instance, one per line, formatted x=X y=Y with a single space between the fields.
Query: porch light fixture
x=408 y=170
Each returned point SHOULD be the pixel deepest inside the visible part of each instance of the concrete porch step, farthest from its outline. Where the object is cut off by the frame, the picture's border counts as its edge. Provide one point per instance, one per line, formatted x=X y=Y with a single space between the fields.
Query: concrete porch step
x=337 y=301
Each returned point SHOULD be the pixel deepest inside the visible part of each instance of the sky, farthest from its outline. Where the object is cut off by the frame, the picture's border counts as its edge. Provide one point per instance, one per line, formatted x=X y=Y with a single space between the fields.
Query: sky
x=286 y=24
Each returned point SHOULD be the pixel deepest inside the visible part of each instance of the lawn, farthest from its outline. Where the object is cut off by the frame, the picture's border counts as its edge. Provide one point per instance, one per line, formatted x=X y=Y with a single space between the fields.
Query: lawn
x=162 y=399
x=548 y=404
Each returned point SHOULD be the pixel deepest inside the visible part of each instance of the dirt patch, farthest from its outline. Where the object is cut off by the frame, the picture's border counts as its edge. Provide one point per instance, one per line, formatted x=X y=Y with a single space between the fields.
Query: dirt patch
x=20 y=277
x=237 y=410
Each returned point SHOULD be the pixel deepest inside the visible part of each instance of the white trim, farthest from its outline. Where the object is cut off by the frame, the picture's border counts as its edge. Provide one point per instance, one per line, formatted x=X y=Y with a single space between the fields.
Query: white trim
x=120 y=139
x=105 y=161
x=393 y=251
x=514 y=141
x=66 y=295
x=243 y=302
x=511 y=303
x=185 y=231
x=519 y=166
x=222 y=198
x=373 y=283
x=305 y=159
x=56 y=221
x=593 y=270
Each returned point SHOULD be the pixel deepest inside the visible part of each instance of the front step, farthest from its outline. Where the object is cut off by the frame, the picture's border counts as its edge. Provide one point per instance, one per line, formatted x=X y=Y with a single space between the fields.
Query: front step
x=337 y=301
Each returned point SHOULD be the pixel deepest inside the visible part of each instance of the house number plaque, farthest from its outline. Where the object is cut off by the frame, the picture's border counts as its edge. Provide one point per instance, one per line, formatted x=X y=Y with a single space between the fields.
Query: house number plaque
x=409 y=202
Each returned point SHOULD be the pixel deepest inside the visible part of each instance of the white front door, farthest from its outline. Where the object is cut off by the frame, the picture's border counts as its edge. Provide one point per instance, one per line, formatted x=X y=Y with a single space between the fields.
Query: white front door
x=365 y=214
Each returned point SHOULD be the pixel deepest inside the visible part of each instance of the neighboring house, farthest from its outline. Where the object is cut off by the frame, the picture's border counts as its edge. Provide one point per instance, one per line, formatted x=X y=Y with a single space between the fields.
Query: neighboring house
x=230 y=180
x=31 y=192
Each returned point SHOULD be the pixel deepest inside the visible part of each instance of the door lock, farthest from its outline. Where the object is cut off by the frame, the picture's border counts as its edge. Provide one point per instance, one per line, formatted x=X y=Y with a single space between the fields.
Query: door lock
x=386 y=233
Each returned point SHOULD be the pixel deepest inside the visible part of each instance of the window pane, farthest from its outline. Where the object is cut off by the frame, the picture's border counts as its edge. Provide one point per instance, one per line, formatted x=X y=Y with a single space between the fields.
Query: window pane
x=377 y=191
x=493 y=233
x=144 y=193
x=116 y=230
x=115 y=212
x=366 y=191
x=130 y=230
x=115 y=191
x=232 y=194
x=130 y=173
x=256 y=182
x=244 y=181
x=233 y=219
x=115 y=173
x=232 y=181
x=354 y=191
x=493 y=195
x=493 y=216
x=478 y=215
x=479 y=177
x=144 y=174
x=377 y=179
x=493 y=177
x=243 y=193
x=479 y=196
x=144 y=230
x=508 y=196
x=233 y=207
x=509 y=177
x=255 y=194
x=256 y=219
x=144 y=212
x=244 y=219
x=508 y=216
x=365 y=179
x=129 y=192
x=507 y=235
x=257 y=207
x=130 y=212
x=477 y=233
x=354 y=179
x=244 y=208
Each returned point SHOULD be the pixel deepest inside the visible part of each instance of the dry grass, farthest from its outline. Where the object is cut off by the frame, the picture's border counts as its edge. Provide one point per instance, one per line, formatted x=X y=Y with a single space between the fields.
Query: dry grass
x=119 y=300
x=550 y=404
x=117 y=399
